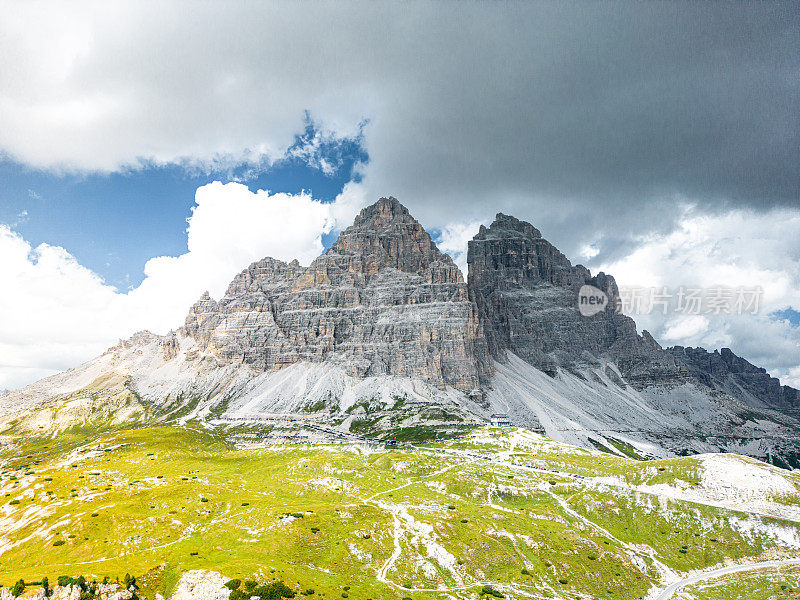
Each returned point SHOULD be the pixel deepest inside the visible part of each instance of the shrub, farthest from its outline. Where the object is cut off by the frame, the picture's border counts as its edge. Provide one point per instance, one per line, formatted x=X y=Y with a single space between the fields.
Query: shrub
x=563 y=581
x=451 y=507
x=233 y=584
x=18 y=588
x=192 y=553
x=490 y=591
x=95 y=514
x=245 y=504
x=59 y=543
x=64 y=580
x=464 y=520
x=250 y=585
x=203 y=499
x=14 y=502
x=525 y=572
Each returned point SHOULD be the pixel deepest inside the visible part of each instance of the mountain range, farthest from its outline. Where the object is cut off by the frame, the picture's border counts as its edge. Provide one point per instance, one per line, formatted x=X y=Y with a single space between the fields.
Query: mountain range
x=381 y=335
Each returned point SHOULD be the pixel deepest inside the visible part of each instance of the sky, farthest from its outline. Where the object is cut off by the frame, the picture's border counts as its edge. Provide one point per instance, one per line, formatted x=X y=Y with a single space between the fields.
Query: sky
x=149 y=151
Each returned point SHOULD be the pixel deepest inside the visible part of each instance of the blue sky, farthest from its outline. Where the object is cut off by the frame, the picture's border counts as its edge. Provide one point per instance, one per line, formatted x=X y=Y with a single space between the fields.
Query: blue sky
x=114 y=223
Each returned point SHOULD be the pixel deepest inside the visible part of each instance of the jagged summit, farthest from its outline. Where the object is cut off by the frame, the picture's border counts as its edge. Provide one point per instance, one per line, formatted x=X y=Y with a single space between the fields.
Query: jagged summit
x=507 y=226
x=724 y=369
x=384 y=234
x=383 y=213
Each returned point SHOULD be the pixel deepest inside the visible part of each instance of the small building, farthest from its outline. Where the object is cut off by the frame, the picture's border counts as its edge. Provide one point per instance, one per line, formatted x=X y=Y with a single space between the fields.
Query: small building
x=500 y=420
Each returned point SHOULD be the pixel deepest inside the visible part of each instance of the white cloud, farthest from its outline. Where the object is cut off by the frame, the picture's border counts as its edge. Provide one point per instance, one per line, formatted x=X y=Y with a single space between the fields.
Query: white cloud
x=740 y=248
x=679 y=329
x=59 y=313
x=453 y=239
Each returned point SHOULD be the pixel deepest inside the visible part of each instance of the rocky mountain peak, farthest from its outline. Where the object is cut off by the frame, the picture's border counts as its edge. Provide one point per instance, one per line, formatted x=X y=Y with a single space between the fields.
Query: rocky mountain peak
x=506 y=226
x=383 y=213
x=526 y=292
x=384 y=235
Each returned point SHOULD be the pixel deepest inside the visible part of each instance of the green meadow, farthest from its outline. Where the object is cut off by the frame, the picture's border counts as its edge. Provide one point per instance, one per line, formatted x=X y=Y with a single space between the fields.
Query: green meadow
x=356 y=521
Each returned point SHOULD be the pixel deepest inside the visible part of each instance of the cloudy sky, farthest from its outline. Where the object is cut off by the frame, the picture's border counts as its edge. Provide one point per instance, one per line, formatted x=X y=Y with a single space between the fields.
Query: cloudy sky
x=149 y=151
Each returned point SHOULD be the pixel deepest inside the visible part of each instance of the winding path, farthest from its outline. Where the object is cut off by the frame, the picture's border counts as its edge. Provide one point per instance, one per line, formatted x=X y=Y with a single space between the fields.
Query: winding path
x=669 y=591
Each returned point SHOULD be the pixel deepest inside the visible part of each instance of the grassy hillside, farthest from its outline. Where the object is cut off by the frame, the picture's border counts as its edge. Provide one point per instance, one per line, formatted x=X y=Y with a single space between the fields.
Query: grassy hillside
x=350 y=521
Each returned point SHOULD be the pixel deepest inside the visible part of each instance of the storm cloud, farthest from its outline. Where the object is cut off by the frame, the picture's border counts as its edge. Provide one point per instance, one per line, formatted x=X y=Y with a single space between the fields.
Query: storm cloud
x=617 y=103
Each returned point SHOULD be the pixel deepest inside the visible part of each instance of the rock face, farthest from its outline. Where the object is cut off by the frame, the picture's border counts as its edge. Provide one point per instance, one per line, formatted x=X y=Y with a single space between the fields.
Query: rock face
x=201 y=585
x=593 y=380
x=526 y=292
x=722 y=369
x=383 y=300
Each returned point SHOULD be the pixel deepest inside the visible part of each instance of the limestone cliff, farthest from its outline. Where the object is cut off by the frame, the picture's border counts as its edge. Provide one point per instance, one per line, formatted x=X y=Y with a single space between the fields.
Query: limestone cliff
x=383 y=300
x=526 y=292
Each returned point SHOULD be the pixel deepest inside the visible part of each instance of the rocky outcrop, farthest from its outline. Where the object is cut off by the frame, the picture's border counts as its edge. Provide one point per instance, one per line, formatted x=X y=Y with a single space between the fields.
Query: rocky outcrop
x=722 y=369
x=201 y=585
x=105 y=591
x=526 y=293
x=383 y=300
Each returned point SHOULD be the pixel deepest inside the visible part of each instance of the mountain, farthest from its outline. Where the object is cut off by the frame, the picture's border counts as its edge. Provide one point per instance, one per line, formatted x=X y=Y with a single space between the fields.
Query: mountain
x=526 y=292
x=382 y=335
x=724 y=370
x=383 y=300
x=593 y=380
